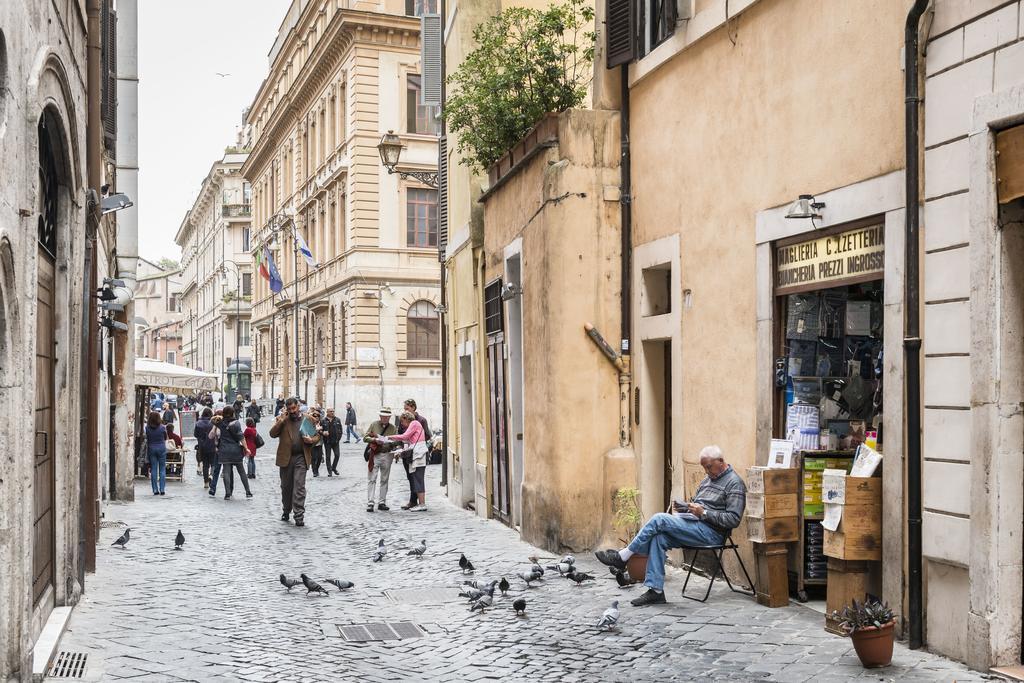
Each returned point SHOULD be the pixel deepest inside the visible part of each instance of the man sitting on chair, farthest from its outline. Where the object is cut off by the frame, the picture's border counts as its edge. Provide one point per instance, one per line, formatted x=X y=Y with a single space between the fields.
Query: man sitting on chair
x=716 y=509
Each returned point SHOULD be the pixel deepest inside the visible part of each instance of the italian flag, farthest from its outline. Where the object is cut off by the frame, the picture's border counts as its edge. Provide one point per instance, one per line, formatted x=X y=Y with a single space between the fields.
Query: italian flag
x=261 y=265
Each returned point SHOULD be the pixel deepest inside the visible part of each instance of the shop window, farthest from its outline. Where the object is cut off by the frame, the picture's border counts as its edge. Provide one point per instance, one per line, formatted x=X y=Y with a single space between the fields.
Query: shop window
x=656 y=290
x=421 y=218
x=423 y=332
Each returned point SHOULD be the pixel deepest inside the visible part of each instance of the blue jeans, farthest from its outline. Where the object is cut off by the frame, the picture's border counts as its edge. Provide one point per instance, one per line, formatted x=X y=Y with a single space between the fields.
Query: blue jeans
x=251 y=465
x=350 y=432
x=158 y=468
x=664 y=532
x=216 y=474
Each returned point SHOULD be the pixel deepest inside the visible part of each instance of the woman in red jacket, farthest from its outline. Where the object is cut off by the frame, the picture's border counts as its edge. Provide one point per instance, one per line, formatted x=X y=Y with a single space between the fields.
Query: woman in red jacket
x=250 y=440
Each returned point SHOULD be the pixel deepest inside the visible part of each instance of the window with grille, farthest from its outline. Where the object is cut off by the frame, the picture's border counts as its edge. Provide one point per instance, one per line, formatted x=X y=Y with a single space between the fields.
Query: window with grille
x=417 y=8
x=423 y=341
x=494 y=317
x=420 y=118
x=421 y=217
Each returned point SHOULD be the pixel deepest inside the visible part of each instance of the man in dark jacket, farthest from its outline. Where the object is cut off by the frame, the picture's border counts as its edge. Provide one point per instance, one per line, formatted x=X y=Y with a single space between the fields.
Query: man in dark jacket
x=410 y=406
x=168 y=416
x=330 y=428
x=206 y=446
x=294 y=457
x=350 y=423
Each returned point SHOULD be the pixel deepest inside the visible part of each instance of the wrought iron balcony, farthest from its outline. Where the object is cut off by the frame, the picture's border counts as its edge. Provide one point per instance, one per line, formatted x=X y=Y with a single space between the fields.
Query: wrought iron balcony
x=236 y=211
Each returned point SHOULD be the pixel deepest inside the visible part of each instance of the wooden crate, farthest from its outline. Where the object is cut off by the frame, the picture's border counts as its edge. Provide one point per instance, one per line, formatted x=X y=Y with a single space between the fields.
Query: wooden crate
x=772 y=530
x=771 y=577
x=847 y=581
x=852 y=546
x=847 y=490
x=769 y=481
x=771 y=505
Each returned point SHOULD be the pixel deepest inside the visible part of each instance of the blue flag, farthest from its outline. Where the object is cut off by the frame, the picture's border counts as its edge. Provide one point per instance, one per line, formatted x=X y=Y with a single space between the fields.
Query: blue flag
x=276 y=283
x=305 y=251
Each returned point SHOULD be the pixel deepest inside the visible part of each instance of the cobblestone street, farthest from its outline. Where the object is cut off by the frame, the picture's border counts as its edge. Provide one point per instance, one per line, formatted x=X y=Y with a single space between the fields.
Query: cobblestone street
x=216 y=611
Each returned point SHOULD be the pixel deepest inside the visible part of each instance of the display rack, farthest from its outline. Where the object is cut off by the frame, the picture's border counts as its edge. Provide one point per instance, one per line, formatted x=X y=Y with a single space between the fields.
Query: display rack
x=798 y=558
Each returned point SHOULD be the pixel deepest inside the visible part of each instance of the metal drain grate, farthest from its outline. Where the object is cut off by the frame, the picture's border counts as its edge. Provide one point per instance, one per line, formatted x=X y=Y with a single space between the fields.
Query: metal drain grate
x=69 y=665
x=380 y=631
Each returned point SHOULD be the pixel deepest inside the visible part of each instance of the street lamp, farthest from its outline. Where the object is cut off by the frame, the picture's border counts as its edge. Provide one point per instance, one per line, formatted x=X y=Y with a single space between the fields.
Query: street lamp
x=390 y=149
x=238 y=309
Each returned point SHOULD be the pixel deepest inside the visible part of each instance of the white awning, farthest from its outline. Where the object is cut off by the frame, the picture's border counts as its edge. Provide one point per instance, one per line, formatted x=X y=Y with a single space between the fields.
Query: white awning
x=167 y=377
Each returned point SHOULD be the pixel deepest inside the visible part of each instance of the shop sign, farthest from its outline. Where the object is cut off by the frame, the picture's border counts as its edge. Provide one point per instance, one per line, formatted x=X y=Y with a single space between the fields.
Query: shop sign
x=844 y=258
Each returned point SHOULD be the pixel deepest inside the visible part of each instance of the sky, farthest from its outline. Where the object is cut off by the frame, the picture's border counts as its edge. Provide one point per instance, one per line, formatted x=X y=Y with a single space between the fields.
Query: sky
x=187 y=113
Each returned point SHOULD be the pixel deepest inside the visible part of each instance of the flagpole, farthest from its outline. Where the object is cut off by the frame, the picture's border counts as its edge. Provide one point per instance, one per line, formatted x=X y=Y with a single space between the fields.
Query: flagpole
x=295 y=268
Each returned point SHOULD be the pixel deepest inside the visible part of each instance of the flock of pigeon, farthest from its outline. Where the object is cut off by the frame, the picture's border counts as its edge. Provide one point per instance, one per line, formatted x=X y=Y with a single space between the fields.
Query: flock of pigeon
x=479 y=593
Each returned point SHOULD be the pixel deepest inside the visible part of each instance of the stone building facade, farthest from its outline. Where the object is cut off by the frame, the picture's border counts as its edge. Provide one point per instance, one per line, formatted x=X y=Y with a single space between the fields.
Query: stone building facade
x=216 y=270
x=158 y=319
x=341 y=75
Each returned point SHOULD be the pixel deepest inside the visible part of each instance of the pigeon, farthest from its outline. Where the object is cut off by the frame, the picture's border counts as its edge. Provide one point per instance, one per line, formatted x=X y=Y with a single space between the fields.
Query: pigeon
x=562 y=568
x=610 y=618
x=503 y=585
x=381 y=551
x=520 y=607
x=473 y=594
x=569 y=560
x=289 y=583
x=179 y=540
x=341 y=584
x=620 y=578
x=311 y=585
x=419 y=550
x=465 y=564
x=537 y=569
x=485 y=601
x=579 y=577
x=528 y=577
x=123 y=541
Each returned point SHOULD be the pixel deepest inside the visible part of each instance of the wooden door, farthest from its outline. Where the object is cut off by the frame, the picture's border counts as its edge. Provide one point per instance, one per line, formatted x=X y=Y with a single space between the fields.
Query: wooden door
x=500 y=484
x=43 y=475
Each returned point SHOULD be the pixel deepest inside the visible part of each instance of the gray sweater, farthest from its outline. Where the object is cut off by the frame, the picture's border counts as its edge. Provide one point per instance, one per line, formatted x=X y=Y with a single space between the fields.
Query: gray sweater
x=724 y=499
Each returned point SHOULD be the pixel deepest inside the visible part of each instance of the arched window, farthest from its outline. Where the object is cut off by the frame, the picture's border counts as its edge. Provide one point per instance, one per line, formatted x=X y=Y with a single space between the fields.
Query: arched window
x=422 y=332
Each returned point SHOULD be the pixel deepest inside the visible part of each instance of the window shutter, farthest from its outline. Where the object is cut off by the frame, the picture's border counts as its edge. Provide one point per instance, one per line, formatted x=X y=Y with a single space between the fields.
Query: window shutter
x=430 y=59
x=442 y=196
x=621 y=32
x=108 y=95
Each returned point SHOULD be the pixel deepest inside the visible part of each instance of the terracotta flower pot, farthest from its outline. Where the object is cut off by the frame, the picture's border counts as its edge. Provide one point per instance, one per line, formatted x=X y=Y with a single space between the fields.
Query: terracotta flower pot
x=874 y=645
x=637 y=568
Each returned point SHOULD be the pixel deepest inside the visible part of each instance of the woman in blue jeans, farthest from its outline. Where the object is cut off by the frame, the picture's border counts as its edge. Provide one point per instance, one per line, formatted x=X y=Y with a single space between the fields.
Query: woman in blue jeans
x=156 y=449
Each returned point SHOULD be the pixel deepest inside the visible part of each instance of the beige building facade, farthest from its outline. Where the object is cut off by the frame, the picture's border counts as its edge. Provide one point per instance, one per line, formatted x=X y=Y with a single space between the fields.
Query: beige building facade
x=366 y=329
x=217 y=272
x=158 y=320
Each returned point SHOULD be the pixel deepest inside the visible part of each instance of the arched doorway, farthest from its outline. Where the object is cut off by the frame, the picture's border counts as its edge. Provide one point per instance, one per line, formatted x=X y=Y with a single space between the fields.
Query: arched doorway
x=48 y=220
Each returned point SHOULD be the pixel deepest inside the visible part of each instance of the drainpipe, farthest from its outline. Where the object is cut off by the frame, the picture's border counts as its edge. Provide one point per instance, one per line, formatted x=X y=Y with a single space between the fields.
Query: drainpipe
x=444 y=271
x=911 y=337
x=626 y=260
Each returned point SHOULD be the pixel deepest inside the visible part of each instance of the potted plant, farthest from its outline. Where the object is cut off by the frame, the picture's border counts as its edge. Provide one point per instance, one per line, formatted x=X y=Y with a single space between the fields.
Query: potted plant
x=870 y=626
x=628 y=518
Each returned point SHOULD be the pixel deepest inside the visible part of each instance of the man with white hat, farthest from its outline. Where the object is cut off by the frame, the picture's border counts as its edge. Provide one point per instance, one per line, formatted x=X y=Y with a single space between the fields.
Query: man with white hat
x=378 y=460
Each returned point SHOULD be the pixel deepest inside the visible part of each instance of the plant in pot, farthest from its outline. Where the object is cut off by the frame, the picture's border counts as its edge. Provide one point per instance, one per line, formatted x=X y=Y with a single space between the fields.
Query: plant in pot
x=628 y=519
x=870 y=626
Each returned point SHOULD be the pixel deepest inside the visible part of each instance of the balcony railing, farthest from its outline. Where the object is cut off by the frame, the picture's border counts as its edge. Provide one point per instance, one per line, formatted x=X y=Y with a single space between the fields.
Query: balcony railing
x=236 y=211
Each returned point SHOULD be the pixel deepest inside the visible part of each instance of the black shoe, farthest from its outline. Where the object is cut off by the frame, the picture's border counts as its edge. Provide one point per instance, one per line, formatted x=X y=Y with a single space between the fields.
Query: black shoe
x=284 y=517
x=407 y=506
x=299 y=522
x=337 y=473
x=248 y=494
x=329 y=473
x=212 y=492
x=611 y=558
x=651 y=597
x=227 y=496
x=162 y=493
x=369 y=508
x=383 y=507
x=315 y=474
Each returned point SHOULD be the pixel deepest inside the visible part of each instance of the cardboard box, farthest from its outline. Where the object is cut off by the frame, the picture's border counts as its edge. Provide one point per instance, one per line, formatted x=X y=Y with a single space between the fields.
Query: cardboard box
x=772 y=530
x=770 y=481
x=837 y=487
x=858 y=536
x=771 y=505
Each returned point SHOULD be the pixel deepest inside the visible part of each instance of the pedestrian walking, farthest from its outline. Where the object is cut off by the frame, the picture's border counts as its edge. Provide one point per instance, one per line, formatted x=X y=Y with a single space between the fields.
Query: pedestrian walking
x=253 y=411
x=350 y=423
x=231 y=449
x=378 y=459
x=206 y=443
x=311 y=427
x=238 y=406
x=253 y=441
x=278 y=406
x=414 y=458
x=168 y=415
x=294 y=454
x=330 y=429
x=156 y=449
x=410 y=407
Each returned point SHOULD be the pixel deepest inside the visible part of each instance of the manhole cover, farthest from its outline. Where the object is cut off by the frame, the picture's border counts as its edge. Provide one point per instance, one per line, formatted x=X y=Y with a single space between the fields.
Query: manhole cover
x=69 y=665
x=428 y=595
x=379 y=631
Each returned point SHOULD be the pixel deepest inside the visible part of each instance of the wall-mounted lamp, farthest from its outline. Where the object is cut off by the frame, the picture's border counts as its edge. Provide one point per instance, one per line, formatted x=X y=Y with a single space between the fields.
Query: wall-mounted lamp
x=510 y=291
x=806 y=207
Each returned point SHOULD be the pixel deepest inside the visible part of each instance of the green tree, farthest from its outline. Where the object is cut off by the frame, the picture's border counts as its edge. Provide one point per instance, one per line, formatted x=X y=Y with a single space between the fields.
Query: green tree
x=168 y=264
x=527 y=63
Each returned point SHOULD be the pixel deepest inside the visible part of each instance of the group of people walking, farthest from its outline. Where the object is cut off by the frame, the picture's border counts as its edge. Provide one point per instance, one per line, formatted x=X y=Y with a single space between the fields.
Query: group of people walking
x=223 y=445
